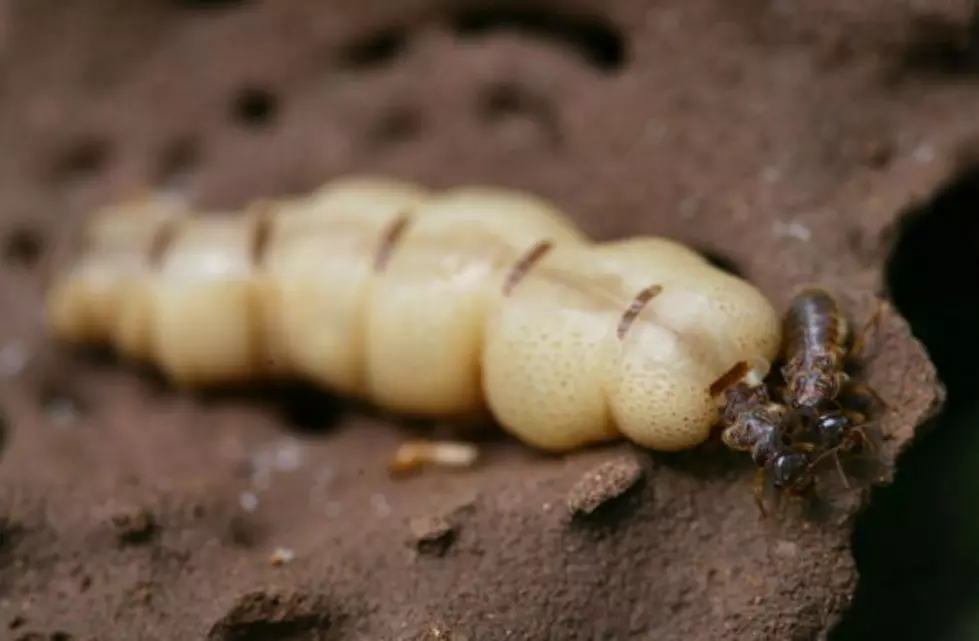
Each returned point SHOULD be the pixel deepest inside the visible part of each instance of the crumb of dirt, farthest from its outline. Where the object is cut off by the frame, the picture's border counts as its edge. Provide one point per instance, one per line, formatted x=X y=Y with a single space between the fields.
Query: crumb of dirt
x=282 y=556
x=879 y=153
x=432 y=534
x=134 y=525
x=440 y=632
x=603 y=484
x=276 y=615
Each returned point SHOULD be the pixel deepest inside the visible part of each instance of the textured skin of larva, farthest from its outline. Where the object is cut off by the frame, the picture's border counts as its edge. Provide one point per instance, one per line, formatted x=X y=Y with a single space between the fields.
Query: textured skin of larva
x=430 y=329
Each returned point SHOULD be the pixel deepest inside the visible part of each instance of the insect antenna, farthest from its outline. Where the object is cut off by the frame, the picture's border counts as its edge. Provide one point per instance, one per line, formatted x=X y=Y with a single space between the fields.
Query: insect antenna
x=834 y=452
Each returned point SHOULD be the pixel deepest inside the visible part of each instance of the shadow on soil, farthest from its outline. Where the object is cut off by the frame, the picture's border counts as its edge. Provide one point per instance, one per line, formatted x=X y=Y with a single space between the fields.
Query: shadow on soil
x=917 y=545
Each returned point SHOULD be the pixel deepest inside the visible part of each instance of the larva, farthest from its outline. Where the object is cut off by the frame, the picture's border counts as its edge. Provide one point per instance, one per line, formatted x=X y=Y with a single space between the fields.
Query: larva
x=428 y=304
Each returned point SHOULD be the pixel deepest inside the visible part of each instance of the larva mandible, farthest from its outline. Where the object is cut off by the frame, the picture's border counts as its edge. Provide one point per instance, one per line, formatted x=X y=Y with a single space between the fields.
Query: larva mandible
x=428 y=304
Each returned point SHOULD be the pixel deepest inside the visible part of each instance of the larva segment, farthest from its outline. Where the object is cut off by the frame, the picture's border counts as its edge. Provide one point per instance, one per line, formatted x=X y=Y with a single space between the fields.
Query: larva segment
x=84 y=305
x=558 y=377
x=428 y=308
x=548 y=349
x=203 y=306
x=320 y=273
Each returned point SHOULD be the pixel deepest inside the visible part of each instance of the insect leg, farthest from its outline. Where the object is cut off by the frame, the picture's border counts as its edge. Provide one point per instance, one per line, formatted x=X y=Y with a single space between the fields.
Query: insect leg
x=861 y=393
x=835 y=453
x=872 y=323
x=859 y=422
x=759 y=492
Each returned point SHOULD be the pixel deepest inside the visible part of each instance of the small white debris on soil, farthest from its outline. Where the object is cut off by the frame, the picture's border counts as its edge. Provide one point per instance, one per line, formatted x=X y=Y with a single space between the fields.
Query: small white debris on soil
x=380 y=504
x=281 y=556
x=61 y=411
x=288 y=457
x=771 y=175
x=13 y=359
x=248 y=501
x=283 y=457
x=792 y=229
x=786 y=549
x=923 y=153
x=261 y=478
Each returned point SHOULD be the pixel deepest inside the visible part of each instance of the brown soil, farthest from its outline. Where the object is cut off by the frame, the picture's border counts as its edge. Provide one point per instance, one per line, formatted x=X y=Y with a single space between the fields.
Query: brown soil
x=784 y=140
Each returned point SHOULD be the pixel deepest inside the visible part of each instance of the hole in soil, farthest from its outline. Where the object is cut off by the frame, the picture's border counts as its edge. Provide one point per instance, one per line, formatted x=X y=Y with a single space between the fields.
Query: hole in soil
x=375 y=51
x=80 y=160
x=254 y=107
x=510 y=105
x=939 y=45
x=914 y=546
x=177 y=161
x=398 y=125
x=23 y=247
x=306 y=408
x=589 y=37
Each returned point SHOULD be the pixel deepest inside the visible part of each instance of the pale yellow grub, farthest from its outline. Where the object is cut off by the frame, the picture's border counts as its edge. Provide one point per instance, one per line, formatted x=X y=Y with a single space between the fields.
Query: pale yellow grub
x=204 y=309
x=295 y=287
x=319 y=274
x=548 y=349
x=427 y=309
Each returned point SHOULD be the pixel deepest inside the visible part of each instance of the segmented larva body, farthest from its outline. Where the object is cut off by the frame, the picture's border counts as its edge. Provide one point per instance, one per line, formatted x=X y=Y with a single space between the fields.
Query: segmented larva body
x=427 y=304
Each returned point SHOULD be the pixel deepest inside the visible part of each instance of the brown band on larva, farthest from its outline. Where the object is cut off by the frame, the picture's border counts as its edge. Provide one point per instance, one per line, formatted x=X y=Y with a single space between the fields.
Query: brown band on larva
x=392 y=235
x=635 y=308
x=162 y=240
x=261 y=235
x=525 y=264
x=729 y=378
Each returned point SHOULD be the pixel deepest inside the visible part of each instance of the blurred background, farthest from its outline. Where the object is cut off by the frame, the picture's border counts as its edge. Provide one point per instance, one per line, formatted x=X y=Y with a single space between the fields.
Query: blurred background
x=789 y=140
